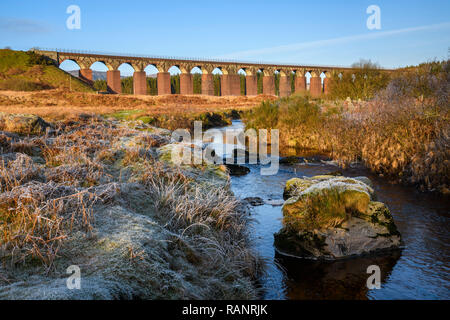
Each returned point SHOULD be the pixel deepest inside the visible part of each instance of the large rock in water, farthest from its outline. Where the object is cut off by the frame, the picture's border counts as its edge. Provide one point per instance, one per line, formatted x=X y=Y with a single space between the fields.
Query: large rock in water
x=331 y=217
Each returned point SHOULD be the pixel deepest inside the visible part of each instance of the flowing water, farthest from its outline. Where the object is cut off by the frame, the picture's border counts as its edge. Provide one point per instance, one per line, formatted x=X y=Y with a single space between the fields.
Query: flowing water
x=421 y=270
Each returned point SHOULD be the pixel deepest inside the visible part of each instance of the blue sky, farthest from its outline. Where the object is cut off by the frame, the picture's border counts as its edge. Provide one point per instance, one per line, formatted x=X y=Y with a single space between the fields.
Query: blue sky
x=304 y=32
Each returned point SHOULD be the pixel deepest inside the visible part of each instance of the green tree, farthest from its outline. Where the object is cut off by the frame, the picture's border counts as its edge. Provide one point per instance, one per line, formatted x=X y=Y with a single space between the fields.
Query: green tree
x=175 y=84
x=127 y=85
x=217 y=89
x=276 y=79
x=243 y=84
x=259 y=79
x=152 y=86
x=197 y=83
x=100 y=85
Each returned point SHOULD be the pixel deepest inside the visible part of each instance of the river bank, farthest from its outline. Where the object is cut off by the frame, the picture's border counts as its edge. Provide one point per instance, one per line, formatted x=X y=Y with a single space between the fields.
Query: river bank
x=97 y=195
x=402 y=132
x=407 y=144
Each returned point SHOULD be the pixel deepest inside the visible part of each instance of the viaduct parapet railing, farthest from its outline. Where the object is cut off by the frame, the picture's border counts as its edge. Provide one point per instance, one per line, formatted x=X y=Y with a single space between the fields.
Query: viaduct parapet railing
x=230 y=83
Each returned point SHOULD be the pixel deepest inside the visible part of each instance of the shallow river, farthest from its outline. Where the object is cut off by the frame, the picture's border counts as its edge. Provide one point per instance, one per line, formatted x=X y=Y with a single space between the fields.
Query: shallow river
x=421 y=270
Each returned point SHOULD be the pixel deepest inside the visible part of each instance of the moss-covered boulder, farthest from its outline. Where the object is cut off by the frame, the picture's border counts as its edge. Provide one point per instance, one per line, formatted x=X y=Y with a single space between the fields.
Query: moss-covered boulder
x=295 y=185
x=334 y=217
x=205 y=174
x=23 y=123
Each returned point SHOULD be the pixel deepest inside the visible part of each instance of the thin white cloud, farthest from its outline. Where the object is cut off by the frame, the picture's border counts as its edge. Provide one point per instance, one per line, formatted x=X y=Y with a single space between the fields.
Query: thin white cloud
x=23 y=25
x=329 y=42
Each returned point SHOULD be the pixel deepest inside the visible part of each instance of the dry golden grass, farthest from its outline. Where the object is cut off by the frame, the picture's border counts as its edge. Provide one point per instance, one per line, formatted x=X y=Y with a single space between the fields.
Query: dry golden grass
x=59 y=105
x=407 y=140
x=34 y=226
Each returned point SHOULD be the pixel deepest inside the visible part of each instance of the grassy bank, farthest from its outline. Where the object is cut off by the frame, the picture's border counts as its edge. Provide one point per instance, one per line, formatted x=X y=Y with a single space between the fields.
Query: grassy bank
x=98 y=194
x=179 y=120
x=27 y=71
x=402 y=133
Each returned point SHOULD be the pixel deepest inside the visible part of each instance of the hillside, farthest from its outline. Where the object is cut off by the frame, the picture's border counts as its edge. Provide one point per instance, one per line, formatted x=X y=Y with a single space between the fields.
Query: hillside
x=27 y=71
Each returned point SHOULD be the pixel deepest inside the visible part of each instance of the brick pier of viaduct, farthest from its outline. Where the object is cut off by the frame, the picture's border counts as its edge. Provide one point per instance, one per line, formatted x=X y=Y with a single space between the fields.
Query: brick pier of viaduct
x=230 y=79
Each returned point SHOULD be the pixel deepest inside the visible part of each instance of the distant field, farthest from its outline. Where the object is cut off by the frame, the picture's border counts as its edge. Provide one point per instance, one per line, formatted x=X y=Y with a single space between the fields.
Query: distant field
x=170 y=111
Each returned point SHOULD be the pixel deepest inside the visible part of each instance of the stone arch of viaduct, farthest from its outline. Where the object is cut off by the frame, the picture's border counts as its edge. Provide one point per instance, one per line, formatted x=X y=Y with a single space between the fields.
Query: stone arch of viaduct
x=230 y=78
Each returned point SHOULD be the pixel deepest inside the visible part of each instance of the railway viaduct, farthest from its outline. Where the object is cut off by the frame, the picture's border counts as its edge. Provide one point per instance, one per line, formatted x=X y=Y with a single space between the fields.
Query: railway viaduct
x=230 y=79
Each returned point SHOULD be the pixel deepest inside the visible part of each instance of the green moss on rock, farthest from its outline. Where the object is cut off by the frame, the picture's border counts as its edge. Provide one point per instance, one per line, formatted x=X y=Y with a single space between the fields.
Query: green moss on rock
x=378 y=213
x=339 y=212
x=296 y=185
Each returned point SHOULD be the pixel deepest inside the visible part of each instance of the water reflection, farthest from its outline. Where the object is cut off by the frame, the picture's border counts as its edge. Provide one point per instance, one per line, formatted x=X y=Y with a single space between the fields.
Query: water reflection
x=342 y=279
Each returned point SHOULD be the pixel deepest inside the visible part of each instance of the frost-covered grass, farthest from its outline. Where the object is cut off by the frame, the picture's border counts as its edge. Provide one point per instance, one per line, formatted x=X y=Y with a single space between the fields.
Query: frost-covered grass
x=94 y=193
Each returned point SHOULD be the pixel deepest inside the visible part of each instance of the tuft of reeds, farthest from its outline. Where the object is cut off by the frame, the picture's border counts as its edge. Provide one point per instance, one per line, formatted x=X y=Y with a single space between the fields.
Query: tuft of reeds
x=36 y=218
x=211 y=225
